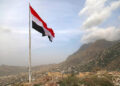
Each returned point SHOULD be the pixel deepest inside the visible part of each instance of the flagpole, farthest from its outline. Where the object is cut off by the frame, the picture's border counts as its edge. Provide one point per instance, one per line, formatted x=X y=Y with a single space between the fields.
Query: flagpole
x=30 y=72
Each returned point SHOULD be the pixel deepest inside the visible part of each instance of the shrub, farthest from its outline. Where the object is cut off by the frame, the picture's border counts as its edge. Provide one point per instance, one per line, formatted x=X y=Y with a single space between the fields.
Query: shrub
x=69 y=81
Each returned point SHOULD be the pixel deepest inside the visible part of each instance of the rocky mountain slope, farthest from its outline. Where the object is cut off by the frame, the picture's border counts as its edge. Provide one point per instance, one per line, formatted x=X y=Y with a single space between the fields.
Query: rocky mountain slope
x=99 y=55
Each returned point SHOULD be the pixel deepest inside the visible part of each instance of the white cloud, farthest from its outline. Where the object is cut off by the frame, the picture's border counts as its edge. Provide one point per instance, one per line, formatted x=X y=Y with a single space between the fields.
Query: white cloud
x=97 y=12
x=93 y=34
x=119 y=17
x=4 y=30
x=91 y=6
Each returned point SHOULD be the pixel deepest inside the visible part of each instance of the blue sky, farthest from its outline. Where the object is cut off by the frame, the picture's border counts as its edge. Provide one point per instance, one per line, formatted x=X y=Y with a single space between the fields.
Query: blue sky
x=74 y=22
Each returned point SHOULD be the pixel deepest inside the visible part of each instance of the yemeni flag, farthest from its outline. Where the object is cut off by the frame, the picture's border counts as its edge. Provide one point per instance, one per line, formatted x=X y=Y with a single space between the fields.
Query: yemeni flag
x=39 y=25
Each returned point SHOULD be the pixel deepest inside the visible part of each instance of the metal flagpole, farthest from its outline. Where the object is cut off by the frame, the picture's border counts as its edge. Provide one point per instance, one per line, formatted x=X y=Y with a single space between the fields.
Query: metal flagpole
x=30 y=72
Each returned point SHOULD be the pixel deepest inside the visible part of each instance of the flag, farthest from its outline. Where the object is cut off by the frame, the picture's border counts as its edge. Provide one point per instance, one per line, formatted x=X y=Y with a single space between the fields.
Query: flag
x=39 y=25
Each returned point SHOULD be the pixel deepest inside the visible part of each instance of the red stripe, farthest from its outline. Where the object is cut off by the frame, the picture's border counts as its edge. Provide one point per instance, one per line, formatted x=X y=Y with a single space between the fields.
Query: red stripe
x=44 y=24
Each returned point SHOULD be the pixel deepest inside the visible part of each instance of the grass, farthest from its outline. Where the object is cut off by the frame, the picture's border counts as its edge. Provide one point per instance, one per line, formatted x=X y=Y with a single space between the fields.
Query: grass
x=90 y=80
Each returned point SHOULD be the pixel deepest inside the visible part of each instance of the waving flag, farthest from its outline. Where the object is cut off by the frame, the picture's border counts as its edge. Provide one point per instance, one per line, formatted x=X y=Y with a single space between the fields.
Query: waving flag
x=39 y=25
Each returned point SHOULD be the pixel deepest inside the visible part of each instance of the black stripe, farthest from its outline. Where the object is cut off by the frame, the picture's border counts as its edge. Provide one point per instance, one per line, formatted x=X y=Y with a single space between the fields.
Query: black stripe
x=38 y=28
x=50 y=38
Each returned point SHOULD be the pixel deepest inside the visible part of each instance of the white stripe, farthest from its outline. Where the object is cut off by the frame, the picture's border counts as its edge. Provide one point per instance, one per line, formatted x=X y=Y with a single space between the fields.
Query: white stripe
x=37 y=21
x=40 y=24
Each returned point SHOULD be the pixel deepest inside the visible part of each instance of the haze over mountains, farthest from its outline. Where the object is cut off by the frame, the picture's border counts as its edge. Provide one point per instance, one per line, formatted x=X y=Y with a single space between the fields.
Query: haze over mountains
x=100 y=55
x=13 y=70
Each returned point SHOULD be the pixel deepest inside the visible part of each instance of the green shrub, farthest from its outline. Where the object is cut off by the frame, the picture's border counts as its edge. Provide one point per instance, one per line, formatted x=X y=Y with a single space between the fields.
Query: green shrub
x=69 y=81
x=90 y=80
x=96 y=81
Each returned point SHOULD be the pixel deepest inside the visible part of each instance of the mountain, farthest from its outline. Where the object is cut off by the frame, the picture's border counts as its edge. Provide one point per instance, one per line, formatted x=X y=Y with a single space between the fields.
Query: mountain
x=99 y=55
x=11 y=70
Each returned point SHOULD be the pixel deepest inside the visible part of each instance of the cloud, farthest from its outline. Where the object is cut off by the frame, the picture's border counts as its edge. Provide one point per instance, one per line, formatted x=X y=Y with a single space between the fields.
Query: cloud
x=13 y=47
x=91 y=6
x=96 y=33
x=4 y=30
x=97 y=12
x=119 y=17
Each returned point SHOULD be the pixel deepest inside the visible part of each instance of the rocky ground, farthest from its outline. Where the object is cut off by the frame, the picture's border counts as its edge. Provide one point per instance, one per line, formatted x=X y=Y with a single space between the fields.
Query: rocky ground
x=100 y=78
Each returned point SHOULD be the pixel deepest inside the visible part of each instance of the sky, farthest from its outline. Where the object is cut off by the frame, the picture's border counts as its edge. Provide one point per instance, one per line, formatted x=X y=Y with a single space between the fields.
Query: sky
x=74 y=22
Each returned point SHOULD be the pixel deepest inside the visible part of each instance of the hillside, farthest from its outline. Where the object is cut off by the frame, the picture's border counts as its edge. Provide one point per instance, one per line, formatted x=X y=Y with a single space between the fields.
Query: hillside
x=99 y=55
x=11 y=70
